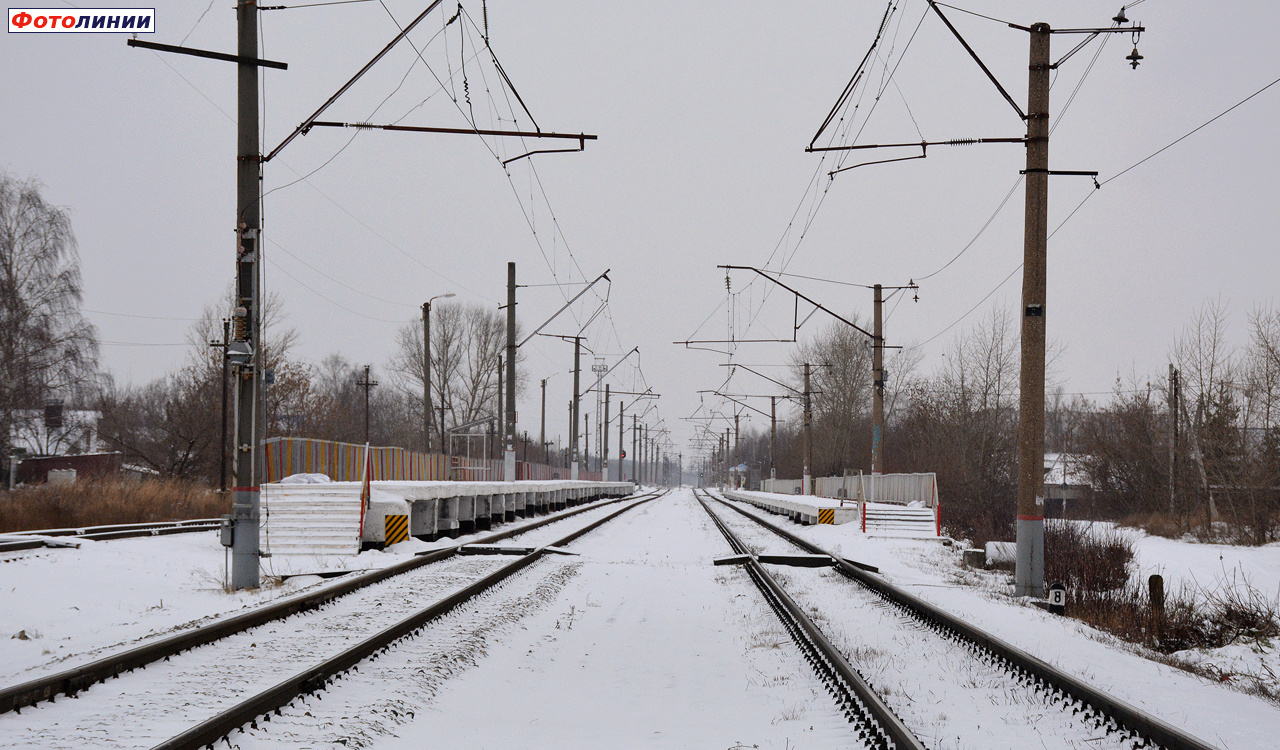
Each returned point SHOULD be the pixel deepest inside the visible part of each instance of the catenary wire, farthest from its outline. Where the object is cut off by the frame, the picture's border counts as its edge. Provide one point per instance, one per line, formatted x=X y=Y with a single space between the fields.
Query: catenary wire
x=1104 y=182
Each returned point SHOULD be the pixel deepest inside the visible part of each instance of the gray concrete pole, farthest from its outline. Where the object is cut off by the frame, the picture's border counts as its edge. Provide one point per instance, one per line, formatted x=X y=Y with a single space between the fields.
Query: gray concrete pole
x=635 y=446
x=773 y=437
x=604 y=434
x=736 y=433
x=426 y=375
x=622 y=420
x=245 y=508
x=542 y=433
x=1173 y=439
x=222 y=465
x=645 y=467
x=1029 y=567
x=368 y=384
x=509 y=455
x=722 y=469
x=807 y=479
x=573 y=421
x=728 y=471
x=877 y=375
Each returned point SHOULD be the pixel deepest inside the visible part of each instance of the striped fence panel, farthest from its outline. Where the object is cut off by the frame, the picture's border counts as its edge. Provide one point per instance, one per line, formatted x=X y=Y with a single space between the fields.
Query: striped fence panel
x=344 y=462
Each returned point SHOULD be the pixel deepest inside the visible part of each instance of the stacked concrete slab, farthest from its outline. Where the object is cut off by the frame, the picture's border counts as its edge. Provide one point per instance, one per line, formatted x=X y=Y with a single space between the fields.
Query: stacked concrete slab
x=801 y=509
x=324 y=519
x=881 y=519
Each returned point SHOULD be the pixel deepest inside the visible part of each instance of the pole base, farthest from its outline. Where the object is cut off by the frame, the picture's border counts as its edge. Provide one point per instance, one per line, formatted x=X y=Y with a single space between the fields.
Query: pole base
x=245 y=551
x=1028 y=576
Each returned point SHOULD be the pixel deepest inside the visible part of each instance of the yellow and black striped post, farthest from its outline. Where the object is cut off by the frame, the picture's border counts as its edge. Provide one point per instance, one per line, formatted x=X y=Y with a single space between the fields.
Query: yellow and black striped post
x=397 y=529
x=825 y=515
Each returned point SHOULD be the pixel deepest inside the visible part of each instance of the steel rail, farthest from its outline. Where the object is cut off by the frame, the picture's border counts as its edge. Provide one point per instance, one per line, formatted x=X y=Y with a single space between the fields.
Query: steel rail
x=876 y=723
x=318 y=677
x=105 y=533
x=86 y=531
x=73 y=680
x=1127 y=717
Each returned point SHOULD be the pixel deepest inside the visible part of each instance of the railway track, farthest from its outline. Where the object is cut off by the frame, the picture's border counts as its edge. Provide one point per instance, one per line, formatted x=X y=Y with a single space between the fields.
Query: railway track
x=875 y=723
x=925 y=663
x=284 y=661
x=23 y=540
x=72 y=681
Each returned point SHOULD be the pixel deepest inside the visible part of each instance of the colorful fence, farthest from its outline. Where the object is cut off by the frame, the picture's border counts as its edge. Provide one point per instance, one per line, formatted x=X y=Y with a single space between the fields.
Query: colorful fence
x=343 y=462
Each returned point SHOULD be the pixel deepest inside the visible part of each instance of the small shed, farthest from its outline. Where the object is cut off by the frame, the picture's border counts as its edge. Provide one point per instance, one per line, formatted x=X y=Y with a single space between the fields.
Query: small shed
x=1065 y=483
x=85 y=465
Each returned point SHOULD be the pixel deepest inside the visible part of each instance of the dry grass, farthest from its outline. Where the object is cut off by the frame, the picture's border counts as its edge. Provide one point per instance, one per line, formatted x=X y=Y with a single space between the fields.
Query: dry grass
x=1094 y=563
x=1086 y=558
x=1192 y=618
x=1159 y=524
x=107 y=501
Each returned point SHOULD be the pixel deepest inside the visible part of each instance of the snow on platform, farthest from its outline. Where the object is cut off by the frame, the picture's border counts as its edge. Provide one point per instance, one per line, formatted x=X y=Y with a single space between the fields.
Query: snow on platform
x=318 y=525
x=881 y=519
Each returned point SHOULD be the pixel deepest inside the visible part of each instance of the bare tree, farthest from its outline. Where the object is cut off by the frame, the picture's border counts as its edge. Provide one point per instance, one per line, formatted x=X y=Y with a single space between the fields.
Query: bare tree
x=173 y=424
x=840 y=385
x=466 y=342
x=47 y=349
x=1260 y=368
x=961 y=423
x=1204 y=355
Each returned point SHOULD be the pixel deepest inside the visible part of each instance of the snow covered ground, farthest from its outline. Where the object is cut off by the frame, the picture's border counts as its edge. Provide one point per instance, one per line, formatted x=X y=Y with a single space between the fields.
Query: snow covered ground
x=60 y=607
x=645 y=645
x=1213 y=568
x=1212 y=711
x=638 y=642
x=1206 y=565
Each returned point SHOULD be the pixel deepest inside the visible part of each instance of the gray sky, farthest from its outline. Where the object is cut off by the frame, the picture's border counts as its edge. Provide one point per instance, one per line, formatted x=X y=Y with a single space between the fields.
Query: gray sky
x=703 y=112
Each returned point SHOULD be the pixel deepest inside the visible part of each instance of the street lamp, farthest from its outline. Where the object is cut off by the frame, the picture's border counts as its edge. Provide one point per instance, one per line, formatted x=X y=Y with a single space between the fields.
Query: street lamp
x=426 y=372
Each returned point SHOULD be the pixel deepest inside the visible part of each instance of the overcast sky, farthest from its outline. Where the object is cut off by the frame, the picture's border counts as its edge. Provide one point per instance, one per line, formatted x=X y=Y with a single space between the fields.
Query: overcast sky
x=703 y=112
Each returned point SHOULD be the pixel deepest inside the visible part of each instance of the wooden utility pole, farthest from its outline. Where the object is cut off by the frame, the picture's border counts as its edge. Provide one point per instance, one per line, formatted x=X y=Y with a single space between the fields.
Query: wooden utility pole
x=1029 y=568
